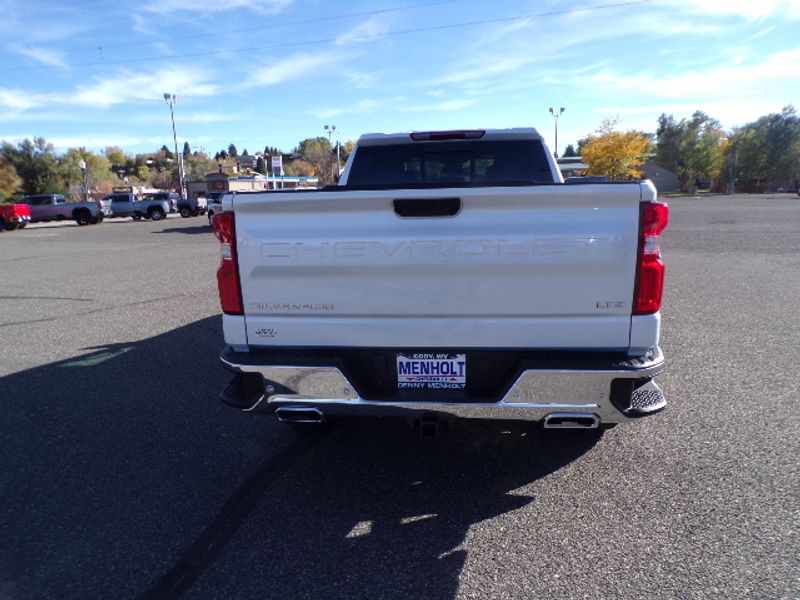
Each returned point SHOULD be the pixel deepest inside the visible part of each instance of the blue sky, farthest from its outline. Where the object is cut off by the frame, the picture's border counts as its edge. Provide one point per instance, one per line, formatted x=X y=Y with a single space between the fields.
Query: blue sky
x=273 y=72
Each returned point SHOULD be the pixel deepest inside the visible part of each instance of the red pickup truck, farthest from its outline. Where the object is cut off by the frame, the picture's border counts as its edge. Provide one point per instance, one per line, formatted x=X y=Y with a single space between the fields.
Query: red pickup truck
x=13 y=216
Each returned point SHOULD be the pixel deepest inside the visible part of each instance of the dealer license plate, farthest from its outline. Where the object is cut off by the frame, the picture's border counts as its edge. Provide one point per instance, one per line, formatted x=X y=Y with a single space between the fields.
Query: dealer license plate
x=429 y=371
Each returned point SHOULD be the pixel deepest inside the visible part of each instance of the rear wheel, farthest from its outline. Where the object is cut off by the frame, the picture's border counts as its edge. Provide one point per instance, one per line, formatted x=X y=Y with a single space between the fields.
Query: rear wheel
x=82 y=217
x=137 y=216
x=156 y=215
x=94 y=220
x=185 y=212
x=195 y=212
x=23 y=225
x=9 y=226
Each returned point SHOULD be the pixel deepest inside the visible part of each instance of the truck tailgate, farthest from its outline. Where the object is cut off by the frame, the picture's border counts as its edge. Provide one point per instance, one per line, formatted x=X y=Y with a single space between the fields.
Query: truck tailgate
x=516 y=267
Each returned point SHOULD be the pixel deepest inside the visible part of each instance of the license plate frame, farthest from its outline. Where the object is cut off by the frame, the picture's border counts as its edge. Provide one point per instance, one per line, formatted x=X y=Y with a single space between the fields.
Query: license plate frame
x=431 y=370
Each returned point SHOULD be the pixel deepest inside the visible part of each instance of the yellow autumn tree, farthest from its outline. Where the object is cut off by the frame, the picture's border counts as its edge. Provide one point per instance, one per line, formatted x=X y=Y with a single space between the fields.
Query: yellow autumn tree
x=615 y=154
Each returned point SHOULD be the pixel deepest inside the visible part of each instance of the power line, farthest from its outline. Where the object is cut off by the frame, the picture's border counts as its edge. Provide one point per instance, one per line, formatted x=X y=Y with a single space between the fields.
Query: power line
x=366 y=13
x=362 y=37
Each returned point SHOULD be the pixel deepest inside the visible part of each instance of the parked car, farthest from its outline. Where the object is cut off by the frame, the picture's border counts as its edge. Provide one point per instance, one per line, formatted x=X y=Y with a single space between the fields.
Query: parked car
x=14 y=216
x=214 y=204
x=191 y=207
x=54 y=207
x=125 y=204
x=173 y=198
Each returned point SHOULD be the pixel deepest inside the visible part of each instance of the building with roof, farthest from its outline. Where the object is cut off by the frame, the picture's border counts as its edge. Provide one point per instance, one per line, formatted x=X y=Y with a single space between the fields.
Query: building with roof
x=664 y=179
x=220 y=181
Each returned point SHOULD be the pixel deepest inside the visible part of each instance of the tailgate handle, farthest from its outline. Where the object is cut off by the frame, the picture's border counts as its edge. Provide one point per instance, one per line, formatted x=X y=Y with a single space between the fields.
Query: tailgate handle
x=427 y=207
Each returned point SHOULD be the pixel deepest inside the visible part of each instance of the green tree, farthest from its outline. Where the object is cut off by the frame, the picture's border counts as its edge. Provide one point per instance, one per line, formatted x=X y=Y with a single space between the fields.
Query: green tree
x=187 y=150
x=615 y=154
x=36 y=164
x=196 y=166
x=300 y=168
x=10 y=182
x=691 y=148
x=765 y=154
x=261 y=166
x=317 y=153
x=347 y=149
x=115 y=156
x=99 y=171
x=569 y=151
x=232 y=151
x=141 y=173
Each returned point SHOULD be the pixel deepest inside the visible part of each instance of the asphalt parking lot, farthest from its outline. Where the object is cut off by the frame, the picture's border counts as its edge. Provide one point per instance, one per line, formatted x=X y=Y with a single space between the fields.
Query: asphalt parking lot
x=123 y=476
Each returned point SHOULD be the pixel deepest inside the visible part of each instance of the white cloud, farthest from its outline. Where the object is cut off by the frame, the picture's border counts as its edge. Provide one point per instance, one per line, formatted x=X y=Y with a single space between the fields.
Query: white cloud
x=215 y=6
x=734 y=81
x=102 y=141
x=184 y=117
x=447 y=105
x=363 y=32
x=20 y=100
x=47 y=57
x=359 y=79
x=136 y=86
x=299 y=66
x=326 y=113
x=747 y=9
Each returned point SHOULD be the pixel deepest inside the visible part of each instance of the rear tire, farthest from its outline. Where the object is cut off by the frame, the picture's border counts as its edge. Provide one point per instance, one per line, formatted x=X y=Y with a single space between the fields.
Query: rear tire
x=9 y=226
x=137 y=217
x=94 y=220
x=156 y=215
x=82 y=218
x=186 y=213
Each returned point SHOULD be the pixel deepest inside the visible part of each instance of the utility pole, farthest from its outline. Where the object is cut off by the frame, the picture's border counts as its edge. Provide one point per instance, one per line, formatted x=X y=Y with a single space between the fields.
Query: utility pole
x=171 y=100
x=556 y=114
x=85 y=170
x=330 y=129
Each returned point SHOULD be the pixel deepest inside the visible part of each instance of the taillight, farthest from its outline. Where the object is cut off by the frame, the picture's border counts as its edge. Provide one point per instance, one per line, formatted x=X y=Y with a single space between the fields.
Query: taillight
x=653 y=219
x=230 y=292
x=102 y=206
x=470 y=134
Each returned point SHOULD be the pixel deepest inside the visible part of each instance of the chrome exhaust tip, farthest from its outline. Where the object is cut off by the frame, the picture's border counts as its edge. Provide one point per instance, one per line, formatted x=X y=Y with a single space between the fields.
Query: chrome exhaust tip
x=571 y=421
x=299 y=414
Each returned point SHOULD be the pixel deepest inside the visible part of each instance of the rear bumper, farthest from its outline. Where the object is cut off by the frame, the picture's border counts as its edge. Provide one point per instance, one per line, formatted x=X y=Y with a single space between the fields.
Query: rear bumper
x=613 y=391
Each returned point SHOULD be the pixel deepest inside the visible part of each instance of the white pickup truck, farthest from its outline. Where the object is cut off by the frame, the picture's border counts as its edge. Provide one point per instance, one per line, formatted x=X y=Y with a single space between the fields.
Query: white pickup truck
x=449 y=274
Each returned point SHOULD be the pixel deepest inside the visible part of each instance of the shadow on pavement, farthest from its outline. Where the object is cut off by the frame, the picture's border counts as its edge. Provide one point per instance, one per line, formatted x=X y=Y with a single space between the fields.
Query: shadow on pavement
x=124 y=476
x=204 y=228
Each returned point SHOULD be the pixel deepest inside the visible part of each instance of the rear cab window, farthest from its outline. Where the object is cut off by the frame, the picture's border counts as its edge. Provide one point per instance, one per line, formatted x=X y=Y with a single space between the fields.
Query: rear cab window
x=452 y=162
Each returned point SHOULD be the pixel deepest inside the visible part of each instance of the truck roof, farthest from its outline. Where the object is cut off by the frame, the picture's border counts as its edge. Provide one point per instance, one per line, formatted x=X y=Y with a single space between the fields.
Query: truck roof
x=516 y=133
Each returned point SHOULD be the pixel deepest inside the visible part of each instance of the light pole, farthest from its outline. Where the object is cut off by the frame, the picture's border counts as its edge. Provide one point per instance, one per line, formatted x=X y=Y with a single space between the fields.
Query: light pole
x=555 y=116
x=171 y=100
x=330 y=129
x=82 y=165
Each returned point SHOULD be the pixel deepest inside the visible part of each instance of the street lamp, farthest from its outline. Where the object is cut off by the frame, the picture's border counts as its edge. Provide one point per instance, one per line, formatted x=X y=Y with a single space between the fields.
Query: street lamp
x=171 y=100
x=82 y=165
x=555 y=116
x=330 y=129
